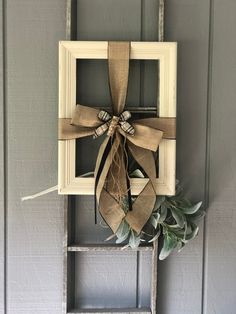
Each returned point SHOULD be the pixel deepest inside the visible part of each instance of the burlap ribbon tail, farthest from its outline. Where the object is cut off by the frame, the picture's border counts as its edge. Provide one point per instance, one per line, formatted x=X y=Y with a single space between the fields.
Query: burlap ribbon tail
x=138 y=138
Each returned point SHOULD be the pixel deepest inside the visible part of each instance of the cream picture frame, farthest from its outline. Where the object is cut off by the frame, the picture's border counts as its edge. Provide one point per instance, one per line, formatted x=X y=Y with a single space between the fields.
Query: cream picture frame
x=69 y=52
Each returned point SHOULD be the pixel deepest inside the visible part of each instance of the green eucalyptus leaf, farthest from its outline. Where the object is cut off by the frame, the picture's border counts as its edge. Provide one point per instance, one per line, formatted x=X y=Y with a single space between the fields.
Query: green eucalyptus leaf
x=163 y=213
x=197 y=216
x=123 y=232
x=174 y=218
x=170 y=243
x=175 y=227
x=187 y=230
x=183 y=202
x=156 y=216
x=154 y=220
x=159 y=201
x=122 y=239
x=180 y=246
x=178 y=216
x=134 y=240
x=191 y=210
x=137 y=173
x=193 y=234
x=156 y=236
x=179 y=234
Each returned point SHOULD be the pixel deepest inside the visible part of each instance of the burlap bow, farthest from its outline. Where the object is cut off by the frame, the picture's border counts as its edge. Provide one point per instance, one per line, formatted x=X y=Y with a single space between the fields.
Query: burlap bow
x=139 y=138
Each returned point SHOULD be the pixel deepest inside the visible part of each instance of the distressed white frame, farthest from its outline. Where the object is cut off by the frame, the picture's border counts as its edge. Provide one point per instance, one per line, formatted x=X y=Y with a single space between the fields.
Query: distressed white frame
x=69 y=52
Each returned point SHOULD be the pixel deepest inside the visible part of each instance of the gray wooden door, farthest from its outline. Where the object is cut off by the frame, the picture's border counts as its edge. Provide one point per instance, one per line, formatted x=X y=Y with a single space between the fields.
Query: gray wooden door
x=199 y=280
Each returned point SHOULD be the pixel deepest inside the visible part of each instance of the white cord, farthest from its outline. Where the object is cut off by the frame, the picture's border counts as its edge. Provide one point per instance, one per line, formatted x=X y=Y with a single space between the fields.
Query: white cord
x=30 y=197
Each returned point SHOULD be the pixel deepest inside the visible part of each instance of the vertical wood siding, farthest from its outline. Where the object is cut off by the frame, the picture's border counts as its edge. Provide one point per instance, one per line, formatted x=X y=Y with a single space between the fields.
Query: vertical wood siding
x=188 y=22
x=34 y=229
x=2 y=170
x=220 y=259
x=199 y=280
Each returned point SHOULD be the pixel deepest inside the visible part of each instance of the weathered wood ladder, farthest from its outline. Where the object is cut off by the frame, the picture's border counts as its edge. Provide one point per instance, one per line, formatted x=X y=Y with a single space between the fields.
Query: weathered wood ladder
x=71 y=248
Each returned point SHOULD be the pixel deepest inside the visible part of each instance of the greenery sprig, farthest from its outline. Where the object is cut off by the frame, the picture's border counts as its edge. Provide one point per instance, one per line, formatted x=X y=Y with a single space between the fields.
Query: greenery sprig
x=174 y=220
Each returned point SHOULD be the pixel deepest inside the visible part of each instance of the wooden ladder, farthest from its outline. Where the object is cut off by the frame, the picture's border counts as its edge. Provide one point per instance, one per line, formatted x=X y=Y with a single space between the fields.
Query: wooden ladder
x=71 y=248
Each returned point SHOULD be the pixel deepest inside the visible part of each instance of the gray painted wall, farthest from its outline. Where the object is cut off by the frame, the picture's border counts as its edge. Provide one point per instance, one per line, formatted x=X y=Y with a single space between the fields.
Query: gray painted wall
x=2 y=171
x=200 y=280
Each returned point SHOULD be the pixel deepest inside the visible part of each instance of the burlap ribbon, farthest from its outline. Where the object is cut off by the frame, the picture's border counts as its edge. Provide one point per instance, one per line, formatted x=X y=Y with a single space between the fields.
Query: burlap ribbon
x=138 y=138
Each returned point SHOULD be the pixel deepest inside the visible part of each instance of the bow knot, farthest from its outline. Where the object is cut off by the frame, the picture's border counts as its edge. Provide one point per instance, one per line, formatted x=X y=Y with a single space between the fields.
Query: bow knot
x=112 y=122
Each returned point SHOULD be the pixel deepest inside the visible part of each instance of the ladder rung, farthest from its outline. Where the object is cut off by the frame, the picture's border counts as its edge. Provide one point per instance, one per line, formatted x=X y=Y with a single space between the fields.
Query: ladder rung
x=112 y=311
x=105 y=248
